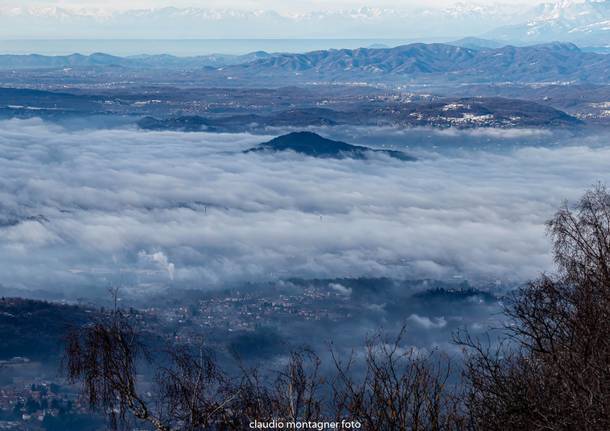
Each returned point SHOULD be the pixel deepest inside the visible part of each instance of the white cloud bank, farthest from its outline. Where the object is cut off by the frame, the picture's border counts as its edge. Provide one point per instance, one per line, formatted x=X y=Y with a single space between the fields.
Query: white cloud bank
x=78 y=210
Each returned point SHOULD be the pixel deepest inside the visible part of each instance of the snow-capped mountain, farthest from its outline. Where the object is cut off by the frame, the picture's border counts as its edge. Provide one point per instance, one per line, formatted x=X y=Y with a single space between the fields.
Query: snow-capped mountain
x=365 y=22
x=585 y=22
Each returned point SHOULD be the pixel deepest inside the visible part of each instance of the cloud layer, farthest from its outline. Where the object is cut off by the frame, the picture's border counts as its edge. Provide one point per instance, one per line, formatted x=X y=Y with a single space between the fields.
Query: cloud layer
x=82 y=210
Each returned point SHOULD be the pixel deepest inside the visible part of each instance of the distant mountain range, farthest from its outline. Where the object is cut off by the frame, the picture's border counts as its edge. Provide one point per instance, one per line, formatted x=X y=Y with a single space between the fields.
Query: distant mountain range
x=477 y=43
x=546 y=63
x=314 y=145
x=584 y=22
x=172 y=22
x=35 y=329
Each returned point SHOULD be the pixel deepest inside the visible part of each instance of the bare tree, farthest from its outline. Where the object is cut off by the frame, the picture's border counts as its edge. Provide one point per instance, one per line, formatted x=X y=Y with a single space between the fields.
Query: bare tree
x=401 y=389
x=554 y=370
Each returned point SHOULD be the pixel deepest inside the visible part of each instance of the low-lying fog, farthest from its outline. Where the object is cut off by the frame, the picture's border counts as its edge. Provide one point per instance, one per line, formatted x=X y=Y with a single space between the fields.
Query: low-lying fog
x=80 y=210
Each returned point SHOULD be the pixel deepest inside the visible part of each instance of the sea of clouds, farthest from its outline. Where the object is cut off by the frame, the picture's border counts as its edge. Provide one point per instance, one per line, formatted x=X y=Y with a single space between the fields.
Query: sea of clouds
x=80 y=210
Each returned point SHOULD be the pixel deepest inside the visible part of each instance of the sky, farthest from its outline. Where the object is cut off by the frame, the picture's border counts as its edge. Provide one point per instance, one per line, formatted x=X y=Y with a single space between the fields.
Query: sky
x=279 y=5
x=408 y=21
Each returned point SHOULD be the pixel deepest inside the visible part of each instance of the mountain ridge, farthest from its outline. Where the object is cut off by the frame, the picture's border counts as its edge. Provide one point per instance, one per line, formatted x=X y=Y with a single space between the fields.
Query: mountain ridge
x=536 y=63
x=586 y=22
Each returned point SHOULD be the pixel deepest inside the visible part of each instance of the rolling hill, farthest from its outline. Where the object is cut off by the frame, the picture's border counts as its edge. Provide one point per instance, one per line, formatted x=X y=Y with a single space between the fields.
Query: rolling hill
x=538 y=63
x=314 y=145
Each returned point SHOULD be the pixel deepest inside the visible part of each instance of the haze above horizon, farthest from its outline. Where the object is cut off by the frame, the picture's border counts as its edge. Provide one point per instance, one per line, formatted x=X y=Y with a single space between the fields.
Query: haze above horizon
x=440 y=20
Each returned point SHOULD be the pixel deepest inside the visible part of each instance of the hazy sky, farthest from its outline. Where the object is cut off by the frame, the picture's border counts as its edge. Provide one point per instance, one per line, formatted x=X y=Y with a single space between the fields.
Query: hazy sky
x=281 y=5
